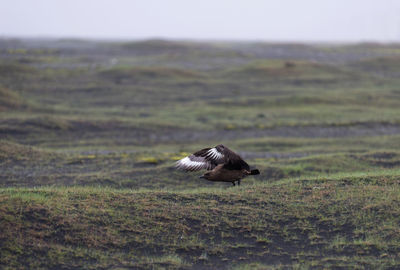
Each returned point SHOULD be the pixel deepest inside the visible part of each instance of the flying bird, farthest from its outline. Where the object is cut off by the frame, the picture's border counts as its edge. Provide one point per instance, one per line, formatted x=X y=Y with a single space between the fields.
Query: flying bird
x=221 y=163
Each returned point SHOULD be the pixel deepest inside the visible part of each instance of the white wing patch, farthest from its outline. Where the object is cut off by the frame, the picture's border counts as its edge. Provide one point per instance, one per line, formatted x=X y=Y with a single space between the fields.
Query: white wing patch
x=207 y=160
x=191 y=165
x=213 y=154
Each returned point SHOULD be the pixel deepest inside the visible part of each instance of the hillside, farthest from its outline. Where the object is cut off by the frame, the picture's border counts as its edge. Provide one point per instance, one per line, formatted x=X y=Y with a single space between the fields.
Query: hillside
x=341 y=222
x=90 y=131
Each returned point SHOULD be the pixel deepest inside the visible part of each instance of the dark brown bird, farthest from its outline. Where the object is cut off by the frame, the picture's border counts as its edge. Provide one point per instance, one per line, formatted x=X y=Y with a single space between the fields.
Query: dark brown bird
x=222 y=164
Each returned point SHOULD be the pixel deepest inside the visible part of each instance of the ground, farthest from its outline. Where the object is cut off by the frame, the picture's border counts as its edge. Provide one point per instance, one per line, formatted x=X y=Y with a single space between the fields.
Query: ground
x=90 y=130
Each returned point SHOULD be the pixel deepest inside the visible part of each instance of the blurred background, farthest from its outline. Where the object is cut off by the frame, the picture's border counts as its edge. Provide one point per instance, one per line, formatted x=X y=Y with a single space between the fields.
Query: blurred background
x=113 y=92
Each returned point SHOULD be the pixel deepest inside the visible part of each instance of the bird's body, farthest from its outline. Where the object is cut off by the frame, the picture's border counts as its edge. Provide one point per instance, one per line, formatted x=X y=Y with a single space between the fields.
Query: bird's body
x=223 y=164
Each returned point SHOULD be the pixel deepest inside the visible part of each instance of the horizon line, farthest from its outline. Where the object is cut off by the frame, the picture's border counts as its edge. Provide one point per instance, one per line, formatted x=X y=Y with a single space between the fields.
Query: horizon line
x=188 y=39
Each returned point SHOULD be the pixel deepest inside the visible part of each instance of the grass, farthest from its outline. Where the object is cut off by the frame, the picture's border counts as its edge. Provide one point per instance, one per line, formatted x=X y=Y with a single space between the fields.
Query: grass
x=9 y=99
x=90 y=131
x=280 y=224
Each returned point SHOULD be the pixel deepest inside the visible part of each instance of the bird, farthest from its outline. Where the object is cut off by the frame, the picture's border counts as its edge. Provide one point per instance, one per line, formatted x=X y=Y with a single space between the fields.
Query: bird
x=221 y=163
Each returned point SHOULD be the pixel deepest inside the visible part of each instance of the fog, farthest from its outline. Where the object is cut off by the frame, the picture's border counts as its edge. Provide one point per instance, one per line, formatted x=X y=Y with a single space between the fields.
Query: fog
x=284 y=20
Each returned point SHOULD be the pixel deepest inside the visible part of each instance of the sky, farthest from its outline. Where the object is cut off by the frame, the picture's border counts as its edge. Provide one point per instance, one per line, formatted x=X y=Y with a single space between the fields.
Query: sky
x=268 y=20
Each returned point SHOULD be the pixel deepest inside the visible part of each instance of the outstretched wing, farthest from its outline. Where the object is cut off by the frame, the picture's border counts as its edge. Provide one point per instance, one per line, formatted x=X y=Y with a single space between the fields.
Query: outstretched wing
x=209 y=158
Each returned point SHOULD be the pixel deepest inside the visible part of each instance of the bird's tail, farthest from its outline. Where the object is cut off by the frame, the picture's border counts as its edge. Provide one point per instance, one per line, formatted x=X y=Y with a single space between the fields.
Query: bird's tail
x=254 y=172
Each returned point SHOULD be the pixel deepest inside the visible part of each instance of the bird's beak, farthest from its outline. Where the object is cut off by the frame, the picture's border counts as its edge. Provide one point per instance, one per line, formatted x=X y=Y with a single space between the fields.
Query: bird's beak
x=201 y=176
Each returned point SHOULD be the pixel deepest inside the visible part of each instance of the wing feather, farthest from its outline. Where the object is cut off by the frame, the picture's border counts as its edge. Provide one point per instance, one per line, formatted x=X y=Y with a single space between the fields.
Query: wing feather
x=193 y=163
x=209 y=158
x=213 y=155
x=232 y=160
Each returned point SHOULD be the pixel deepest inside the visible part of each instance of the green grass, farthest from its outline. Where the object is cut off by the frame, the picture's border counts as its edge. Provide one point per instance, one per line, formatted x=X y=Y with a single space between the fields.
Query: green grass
x=89 y=137
x=10 y=100
x=279 y=225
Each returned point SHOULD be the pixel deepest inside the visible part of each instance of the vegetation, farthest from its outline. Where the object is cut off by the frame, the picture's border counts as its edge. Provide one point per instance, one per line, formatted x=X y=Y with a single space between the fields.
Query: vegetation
x=89 y=133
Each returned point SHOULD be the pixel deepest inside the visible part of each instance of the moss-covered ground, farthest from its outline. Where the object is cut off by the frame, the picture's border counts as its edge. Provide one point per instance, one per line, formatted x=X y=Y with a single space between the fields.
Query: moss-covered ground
x=89 y=133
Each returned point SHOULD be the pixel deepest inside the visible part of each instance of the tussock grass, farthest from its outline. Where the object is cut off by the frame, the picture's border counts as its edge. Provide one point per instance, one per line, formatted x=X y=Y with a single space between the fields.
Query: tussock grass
x=17 y=152
x=281 y=224
x=90 y=131
x=10 y=100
